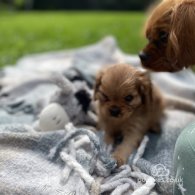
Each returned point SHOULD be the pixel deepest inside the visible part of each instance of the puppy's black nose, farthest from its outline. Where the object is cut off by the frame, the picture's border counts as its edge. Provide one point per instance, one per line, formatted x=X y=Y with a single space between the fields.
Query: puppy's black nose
x=115 y=111
x=143 y=56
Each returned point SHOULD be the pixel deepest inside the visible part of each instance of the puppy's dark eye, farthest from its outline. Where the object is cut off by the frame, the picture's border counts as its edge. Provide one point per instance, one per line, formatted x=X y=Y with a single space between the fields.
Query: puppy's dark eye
x=129 y=98
x=103 y=97
x=163 y=36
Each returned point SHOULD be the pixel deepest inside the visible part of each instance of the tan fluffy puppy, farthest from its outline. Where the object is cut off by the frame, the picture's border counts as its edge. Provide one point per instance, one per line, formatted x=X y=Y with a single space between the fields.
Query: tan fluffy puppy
x=128 y=106
x=170 y=31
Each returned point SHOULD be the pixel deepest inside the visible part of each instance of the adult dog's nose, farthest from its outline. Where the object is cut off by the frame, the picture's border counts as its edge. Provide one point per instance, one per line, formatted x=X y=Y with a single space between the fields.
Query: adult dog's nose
x=115 y=111
x=143 y=56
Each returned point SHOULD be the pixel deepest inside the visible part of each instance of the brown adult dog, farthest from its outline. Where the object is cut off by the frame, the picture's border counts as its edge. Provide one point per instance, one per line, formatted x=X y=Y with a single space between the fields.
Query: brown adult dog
x=129 y=105
x=171 y=33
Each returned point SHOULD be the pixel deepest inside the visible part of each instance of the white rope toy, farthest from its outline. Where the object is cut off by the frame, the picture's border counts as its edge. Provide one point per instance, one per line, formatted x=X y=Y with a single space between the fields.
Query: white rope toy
x=124 y=179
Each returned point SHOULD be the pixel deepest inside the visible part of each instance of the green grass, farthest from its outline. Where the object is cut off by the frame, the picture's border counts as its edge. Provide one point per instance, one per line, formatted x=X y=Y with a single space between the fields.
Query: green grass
x=32 y=32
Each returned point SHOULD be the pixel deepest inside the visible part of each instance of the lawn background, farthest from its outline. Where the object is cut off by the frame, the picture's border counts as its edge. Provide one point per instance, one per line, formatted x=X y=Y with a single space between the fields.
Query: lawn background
x=23 y=33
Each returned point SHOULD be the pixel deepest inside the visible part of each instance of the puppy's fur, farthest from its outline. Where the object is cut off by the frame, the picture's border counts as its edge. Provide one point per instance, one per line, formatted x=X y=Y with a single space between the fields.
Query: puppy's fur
x=128 y=106
x=170 y=31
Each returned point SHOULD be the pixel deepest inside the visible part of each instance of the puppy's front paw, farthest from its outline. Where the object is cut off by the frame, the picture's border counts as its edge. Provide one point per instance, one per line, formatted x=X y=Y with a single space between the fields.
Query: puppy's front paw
x=121 y=160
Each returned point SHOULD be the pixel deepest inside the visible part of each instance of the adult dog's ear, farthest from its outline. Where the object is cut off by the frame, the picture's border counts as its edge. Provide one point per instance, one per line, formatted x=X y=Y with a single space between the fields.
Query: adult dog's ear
x=98 y=83
x=181 y=41
x=144 y=86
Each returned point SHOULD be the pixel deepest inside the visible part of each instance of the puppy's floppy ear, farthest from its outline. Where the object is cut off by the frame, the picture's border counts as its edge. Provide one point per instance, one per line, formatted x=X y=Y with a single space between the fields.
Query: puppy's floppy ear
x=144 y=86
x=182 y=33
x=98 y=83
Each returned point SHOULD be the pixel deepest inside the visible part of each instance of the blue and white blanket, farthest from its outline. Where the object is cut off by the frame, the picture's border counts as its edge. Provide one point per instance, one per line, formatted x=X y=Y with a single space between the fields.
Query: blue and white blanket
x=73 y=160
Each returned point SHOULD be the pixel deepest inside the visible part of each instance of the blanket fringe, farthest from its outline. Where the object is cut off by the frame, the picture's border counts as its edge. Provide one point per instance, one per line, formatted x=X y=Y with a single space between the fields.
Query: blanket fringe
x=124 y=179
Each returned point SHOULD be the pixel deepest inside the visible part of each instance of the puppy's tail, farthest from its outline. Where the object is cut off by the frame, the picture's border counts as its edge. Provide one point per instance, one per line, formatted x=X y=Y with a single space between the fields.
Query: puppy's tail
x=174 y=102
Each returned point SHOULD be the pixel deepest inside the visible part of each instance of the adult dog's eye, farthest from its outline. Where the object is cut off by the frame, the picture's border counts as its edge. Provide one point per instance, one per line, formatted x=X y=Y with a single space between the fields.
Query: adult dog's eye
x=129 y=98
x=163 y=36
